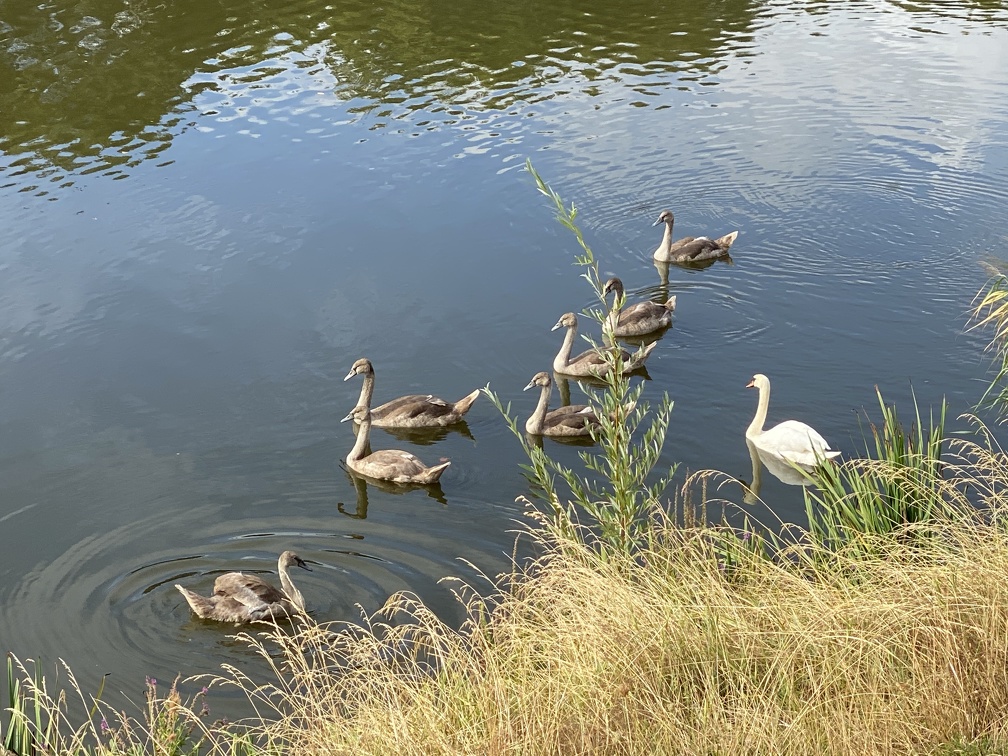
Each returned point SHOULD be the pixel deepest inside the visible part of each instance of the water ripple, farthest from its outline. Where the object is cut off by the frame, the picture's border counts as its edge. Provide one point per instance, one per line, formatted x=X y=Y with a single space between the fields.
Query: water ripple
x=119 y=600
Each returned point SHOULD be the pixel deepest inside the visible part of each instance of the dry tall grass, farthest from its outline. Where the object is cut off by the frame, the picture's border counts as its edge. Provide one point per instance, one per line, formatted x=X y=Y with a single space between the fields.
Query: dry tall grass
x=670 y=652
x=990 y=311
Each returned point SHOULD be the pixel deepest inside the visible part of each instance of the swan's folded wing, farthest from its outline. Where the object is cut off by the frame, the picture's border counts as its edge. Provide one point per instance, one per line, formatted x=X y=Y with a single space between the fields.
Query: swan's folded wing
x=248 y=589
x=411 y=406
x=245 y=597
x=229 y=609
x=585 y=362
x=569 y=409
x=695 y=247
x=795 y=441
x=572 y=417
x=644 y=311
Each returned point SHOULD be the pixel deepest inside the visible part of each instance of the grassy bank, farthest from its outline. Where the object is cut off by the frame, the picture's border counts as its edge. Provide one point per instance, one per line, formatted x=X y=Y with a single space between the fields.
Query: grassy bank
x=672 y=650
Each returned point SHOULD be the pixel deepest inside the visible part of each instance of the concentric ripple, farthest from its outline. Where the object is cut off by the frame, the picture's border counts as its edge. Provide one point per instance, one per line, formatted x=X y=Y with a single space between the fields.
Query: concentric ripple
x=113 y=593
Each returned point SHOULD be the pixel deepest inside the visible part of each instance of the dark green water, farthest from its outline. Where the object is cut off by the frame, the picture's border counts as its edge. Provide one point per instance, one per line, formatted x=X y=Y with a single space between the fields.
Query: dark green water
x=210 y=210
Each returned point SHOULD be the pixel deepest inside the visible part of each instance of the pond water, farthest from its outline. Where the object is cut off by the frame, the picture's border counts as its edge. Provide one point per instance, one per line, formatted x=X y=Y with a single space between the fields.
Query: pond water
x=211 y=210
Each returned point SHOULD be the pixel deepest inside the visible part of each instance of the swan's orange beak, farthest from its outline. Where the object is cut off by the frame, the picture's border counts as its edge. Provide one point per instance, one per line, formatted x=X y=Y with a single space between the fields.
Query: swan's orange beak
x=751 y=384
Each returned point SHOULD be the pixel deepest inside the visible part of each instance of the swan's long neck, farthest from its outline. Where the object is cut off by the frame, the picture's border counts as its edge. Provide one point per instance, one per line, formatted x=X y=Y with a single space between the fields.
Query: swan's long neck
x=288 y=587
x=360 y=445
x=366 y=391
x=563 y=356
x=537 y=421
x=756 y=426
x=666 y=240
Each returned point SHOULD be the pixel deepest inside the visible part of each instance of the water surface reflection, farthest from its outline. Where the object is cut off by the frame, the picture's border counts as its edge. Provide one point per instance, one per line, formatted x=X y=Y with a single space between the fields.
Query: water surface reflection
x=99 y=88
x=780 y=468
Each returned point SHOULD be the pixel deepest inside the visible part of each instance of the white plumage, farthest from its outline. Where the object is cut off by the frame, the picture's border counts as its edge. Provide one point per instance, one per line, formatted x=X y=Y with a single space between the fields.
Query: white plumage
x=791 y=440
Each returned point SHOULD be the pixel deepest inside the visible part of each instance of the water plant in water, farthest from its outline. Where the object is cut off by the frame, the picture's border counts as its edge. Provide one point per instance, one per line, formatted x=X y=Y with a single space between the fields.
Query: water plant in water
x=68 y=722
x=623 y=485
x=30 y=727
x=898 y=482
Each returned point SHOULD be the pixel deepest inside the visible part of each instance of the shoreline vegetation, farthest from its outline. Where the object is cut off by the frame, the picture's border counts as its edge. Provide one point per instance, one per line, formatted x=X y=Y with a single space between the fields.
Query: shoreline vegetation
x=641 y=627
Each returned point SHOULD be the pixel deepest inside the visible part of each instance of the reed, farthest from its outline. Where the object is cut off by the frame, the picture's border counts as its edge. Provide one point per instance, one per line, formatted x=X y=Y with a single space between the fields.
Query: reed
x=60 y=719
x=30 y=726
x=701 y=640
x=900 y=481
x=659 y=652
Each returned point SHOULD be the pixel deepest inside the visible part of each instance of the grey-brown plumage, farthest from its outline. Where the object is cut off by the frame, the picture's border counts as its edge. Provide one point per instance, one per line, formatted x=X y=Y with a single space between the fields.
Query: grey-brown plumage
x=239 y=597
x=689 y=249
x=638 y=319
x=572 y=420
x=591 y=363
x=386 y=464
x=412 y=411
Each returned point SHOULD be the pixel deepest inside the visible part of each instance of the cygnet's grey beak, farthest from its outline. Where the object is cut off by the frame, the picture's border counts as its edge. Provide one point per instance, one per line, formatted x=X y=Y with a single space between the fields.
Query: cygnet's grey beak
x=558 y=325
x=530 y=385
x=350 y=375
x=348 y=417
x=303 y=566
x=657 y=222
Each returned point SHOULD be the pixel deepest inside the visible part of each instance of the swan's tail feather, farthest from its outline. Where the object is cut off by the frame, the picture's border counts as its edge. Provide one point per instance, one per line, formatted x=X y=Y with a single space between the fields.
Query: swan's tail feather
x=640 y=357
x=201 y=605
x=727 y=240
x=431 y=474
x=462 y=405
x=671 y=303
x=808 y=461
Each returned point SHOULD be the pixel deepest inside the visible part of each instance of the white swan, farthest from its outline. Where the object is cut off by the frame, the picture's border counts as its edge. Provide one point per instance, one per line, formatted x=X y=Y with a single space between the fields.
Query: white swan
x=791 y=440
